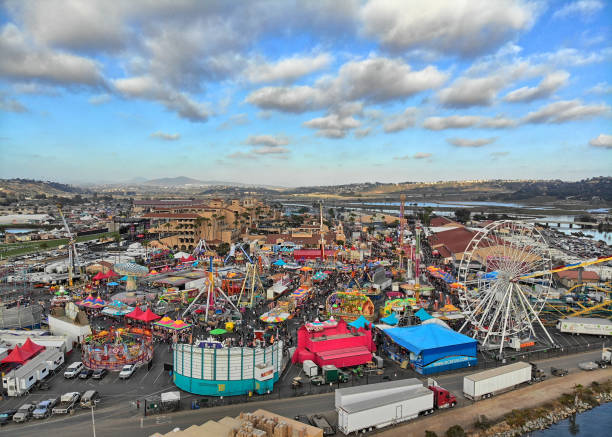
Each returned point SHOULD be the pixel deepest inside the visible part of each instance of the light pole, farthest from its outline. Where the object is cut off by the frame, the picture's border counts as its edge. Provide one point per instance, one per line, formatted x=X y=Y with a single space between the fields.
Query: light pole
x=93 y=421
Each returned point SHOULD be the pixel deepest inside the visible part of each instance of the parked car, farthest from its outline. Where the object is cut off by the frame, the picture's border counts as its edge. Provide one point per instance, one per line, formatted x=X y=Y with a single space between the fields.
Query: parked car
x=43 y=409
x=85 y=373
x=90 y=399
x=99 y=373
x=302 y=418
x=127 y=371
x=73 y=370
x=6 y=416
x=24 y=413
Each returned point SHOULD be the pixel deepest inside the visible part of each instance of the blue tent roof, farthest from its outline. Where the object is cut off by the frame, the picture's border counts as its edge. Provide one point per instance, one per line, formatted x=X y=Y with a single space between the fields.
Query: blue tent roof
x=360 y=322
x=422 y=314
x=280 y=262
x=423 y=337
x=391 y=319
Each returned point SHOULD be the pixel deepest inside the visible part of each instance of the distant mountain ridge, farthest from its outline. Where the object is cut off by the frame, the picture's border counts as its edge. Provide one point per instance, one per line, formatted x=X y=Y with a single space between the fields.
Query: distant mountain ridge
x=184 y=180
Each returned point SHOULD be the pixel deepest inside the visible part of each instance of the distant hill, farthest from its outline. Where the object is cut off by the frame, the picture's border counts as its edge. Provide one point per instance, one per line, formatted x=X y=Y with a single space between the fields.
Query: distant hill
x=30 y=188
x=182 y=181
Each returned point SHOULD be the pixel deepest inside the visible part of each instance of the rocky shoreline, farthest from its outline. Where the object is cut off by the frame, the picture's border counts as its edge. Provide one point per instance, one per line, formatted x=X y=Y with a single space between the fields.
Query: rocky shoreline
x=521 y=422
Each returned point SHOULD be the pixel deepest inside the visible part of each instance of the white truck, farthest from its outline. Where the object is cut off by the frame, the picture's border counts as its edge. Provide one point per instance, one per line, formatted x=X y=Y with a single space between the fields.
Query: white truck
x=585 y=325
x=67 y=403
x=379 y=405
x=606 y=357
x=310 y=368
x=485 y=384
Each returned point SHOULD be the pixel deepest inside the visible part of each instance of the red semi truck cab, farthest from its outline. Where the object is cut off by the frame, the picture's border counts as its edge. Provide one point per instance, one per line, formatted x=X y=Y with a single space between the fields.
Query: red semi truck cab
x=442 y=397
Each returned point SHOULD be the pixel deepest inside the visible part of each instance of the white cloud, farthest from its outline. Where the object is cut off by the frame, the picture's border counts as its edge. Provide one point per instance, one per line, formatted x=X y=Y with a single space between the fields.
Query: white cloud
x=466 y=121
x=565 y=110
x=422 y=155
x=547 y=86
x=466 y=91
x=333 y=125
x=146 y=87
x=22 y=61
x=270 y=150
x=452 y=122
x=100 y=99
x=402 y=121
x=361 y=133
x=267 y=140
x=584 y=8
x=464 y=142
x=373 y=80
x=234 y=120
x=601 y=88
x=8 y=104
x=459 y=27
x=603 y=140
x=288 y=69
x=165 y=136
x=35 y=88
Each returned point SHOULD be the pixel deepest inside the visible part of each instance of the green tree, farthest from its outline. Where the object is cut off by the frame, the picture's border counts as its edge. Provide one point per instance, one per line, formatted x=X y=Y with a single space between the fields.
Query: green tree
x=463 y=215
x=223 y=249
x=430 y=434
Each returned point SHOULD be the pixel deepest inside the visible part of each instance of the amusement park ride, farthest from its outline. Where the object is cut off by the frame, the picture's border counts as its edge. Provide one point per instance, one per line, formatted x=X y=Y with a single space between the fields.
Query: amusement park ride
x=498 y=273
x=74 y=265
x=412 y=255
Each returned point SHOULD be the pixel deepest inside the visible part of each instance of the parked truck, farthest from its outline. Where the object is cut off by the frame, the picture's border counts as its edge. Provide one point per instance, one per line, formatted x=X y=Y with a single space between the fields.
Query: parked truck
x=310 y=368
x=585 y=325
x=67 y=403
x=329 y=374
x=485 y=384
x=379 y=405
x=606 y=357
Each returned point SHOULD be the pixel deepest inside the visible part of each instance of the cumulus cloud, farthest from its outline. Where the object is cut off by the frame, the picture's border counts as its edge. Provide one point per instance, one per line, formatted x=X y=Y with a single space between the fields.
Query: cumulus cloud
x=333 y=125
x=464 y=142
x=422 y=155
x=565 y=110
x=466 y=91
x=146 y=87
x=100 y=99
x=267 y=140
x=22 y=61
x=551 y=83
x=374 y=80
x=603 y=140
x=460 y=27
x=165 y=136
x=361 y=133
x=584 y=8
x=289 y=69
x=467 y=121
x=452 y=122
x=402 y=121
x=8 y=104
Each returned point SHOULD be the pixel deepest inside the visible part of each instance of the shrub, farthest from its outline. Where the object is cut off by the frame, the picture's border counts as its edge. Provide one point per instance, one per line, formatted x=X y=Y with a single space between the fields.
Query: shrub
x=455 y=431
x=430 y=434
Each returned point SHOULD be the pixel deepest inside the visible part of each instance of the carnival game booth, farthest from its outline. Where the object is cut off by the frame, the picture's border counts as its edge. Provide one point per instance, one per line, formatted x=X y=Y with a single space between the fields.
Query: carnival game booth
x=430 y=348
x=115 y=348
x=222 y=371
x=349 y=305
x=333 y=343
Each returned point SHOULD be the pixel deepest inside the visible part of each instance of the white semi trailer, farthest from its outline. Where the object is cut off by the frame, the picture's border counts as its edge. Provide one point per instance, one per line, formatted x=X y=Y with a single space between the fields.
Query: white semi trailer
x=485 y=384
x=585 y=325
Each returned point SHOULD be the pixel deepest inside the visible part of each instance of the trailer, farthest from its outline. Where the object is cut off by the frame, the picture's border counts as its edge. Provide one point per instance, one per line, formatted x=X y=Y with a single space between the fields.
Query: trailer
x=380 y=405
x=23 y=379
x=494 y=381
x=585 y=325
x=310 y=368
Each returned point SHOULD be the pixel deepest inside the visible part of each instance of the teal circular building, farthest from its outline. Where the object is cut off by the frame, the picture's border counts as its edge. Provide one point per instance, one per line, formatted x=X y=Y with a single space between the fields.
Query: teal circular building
x=227 y=371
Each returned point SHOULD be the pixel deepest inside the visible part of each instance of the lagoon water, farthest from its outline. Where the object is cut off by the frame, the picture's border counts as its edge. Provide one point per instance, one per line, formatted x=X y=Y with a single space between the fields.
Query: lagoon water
x=595 y=422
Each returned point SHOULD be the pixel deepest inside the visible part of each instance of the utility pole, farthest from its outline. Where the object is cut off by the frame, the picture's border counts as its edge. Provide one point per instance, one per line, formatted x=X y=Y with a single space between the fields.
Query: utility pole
x=321 y=232
x=93 y=421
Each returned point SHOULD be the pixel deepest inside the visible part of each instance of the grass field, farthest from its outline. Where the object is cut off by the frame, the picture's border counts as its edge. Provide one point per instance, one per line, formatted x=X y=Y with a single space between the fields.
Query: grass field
x=23 y=248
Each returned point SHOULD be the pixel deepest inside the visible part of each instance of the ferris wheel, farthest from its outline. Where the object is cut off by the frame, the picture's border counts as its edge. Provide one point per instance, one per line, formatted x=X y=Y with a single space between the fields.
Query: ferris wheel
x=501 y=295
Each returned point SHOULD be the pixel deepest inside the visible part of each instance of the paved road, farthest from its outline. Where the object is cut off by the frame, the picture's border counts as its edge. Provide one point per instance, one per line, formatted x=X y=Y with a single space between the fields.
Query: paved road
x=122 y=419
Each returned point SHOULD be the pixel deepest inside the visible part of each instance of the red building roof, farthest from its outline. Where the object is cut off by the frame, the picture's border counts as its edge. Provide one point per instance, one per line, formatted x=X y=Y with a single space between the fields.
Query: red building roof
x=171 y=215
x=454 y=240
x=573 y=275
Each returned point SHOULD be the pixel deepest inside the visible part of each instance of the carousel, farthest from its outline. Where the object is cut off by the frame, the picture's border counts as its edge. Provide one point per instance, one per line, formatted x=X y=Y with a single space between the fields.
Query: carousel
x=349 y=306
x=397 y=306
x=114 y=348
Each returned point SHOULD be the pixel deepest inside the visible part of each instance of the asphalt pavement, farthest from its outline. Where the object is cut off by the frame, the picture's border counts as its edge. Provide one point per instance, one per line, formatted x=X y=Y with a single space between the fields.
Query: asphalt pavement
x=117 y=415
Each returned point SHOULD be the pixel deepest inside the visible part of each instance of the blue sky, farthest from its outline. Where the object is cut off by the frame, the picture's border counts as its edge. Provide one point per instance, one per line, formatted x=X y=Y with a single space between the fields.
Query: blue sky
x=305 y=92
